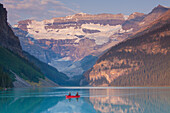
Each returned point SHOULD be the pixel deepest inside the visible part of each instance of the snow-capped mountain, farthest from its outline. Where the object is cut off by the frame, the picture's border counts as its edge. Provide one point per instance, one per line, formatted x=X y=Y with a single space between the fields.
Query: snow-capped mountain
x=64 y=42
x=76 y=27
x=69 y=39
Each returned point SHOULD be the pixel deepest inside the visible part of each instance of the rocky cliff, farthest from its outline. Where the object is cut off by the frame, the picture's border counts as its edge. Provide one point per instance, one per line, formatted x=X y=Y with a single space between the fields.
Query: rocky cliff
x=7 y=37
x=142 y=60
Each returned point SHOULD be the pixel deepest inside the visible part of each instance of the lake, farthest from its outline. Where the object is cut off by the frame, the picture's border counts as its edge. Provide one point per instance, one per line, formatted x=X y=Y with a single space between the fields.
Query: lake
x=92 y=100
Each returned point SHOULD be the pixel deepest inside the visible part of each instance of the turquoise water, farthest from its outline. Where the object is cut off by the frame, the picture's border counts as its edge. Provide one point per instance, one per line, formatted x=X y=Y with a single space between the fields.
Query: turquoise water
x=92 y=100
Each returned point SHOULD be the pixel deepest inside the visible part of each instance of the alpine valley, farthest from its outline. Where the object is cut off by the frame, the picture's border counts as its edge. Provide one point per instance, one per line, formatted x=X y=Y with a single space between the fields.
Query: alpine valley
x=73 y=44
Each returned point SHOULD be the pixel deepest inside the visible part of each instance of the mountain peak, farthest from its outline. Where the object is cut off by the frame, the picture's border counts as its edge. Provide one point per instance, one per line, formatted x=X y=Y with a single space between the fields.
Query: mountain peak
x=135 y=14
x=1 y=5
x=160 y=8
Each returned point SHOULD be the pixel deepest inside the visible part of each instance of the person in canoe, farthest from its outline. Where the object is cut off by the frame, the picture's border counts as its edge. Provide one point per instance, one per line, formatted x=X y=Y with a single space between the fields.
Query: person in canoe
x=69 y=94
x=77 y=94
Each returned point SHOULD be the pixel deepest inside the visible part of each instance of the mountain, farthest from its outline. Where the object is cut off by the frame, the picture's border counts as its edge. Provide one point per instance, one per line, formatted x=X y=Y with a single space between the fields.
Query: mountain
x=49 y=71
x=142 y=20
x=64 y=41
x=18 y=68
x=141 y=60
x=7 y=37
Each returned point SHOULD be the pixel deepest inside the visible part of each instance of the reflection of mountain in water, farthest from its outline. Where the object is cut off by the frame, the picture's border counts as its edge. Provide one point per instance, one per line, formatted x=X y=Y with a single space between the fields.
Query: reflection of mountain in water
x=52 y=100
x=73 y=106
x=130 y=100
x=27 y=103
x=153 y=100
x=108 y=103
x=43 y=100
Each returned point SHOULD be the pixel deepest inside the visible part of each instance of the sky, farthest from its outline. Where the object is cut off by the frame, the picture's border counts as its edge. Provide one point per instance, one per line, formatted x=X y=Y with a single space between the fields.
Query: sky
x=47 y=9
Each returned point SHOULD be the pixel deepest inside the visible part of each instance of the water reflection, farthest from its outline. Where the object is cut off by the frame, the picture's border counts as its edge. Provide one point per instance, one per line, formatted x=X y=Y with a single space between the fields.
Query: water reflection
x=130 y=100
x=52 y=100
x=74 y=98
x=18 y=101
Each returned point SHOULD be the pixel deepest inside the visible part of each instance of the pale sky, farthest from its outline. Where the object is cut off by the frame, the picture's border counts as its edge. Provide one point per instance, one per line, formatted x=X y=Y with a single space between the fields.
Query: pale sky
x=47 y=9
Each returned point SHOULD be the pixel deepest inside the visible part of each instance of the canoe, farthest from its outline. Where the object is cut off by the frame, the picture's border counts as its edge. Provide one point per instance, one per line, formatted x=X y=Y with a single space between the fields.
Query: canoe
x=68 y=97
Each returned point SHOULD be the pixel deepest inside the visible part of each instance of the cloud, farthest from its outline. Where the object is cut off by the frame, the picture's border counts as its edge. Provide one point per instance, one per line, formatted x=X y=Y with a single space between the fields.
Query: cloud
x=37 y=9
x=51 y=1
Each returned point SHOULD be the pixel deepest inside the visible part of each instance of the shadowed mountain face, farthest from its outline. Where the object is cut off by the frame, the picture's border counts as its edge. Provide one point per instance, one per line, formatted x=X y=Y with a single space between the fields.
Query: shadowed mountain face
x=142 y=60
x=7 y=37
x=12 y=63
x=63 y=42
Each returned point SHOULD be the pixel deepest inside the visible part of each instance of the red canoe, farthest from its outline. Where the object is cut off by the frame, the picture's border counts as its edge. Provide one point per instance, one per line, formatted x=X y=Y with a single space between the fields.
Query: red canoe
x=67 y=97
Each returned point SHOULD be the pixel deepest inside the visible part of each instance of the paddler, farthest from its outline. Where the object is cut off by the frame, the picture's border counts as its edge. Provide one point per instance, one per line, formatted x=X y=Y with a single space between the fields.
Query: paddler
x=77 y=94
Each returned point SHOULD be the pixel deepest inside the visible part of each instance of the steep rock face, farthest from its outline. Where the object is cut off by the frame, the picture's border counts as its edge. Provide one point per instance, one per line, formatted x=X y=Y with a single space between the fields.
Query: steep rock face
x=7 y=37
x=142 y=60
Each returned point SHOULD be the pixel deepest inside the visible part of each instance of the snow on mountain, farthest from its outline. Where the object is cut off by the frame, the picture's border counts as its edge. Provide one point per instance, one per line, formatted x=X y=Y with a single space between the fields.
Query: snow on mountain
x=64 y=41
x=126 y=17
x=38 y=30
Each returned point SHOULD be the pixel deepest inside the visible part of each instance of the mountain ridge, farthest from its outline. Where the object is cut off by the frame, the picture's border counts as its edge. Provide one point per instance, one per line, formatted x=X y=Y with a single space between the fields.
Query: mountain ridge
x=64 y=41
x=142 y=60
